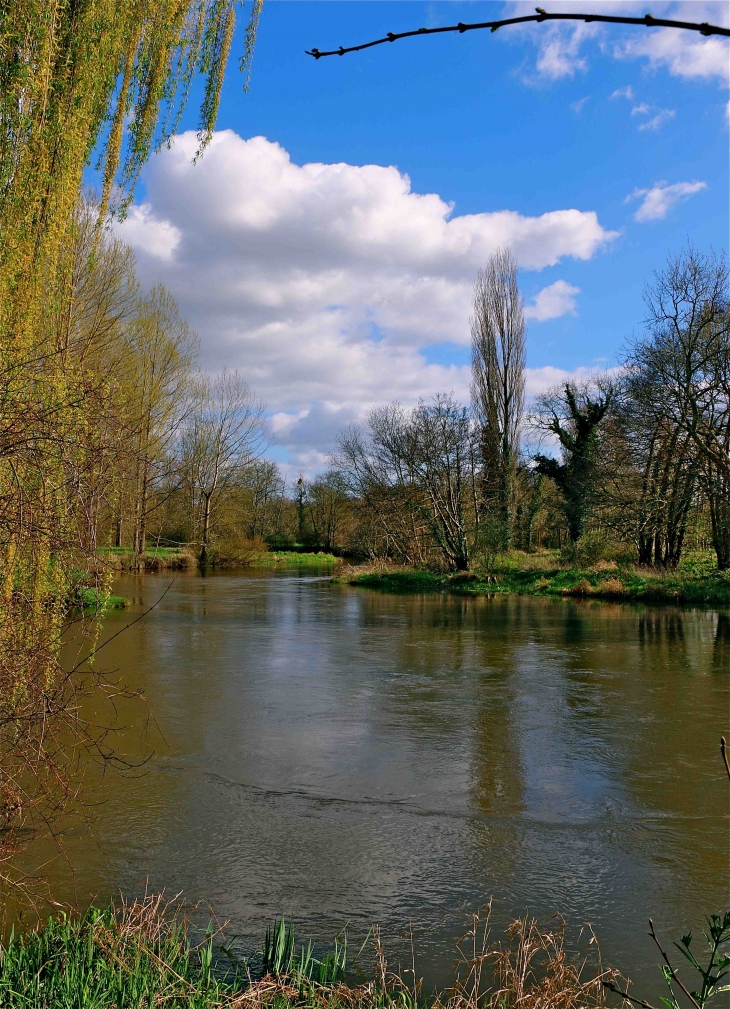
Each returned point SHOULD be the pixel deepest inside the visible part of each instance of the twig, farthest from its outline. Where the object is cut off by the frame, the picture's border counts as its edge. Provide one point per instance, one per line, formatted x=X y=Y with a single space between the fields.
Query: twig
x=723 y=751
x=648 y=20
x=121 y=630
x=672 y=971
x=624 y=994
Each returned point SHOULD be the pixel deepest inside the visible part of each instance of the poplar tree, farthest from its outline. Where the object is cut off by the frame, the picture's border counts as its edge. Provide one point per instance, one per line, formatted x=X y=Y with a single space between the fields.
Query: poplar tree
x=498 y=361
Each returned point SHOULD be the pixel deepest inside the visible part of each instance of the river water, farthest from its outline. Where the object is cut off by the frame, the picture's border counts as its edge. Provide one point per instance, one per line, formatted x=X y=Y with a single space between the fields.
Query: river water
x=339 y=755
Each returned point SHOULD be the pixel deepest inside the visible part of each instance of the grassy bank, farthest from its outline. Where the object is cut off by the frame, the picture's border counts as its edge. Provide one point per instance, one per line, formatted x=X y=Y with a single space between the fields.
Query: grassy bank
x=178 y=559
x=694 y=582
x=145 y=955
x=96 y=601
x=294 y=558
x=154 y=559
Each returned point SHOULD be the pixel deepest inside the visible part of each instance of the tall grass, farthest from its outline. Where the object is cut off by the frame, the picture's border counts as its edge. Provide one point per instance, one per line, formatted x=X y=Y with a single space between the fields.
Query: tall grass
x=142 y=954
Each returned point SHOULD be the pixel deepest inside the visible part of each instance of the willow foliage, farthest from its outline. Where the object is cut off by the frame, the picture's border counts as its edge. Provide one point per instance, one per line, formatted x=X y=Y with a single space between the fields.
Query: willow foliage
x=78 y=78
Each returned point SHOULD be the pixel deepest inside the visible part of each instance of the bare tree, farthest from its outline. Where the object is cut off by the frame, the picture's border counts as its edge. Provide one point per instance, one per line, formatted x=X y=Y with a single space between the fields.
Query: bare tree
x=416 y=473
x=378 y=465
x=498 y=385
x=446 y=470
x=222 y=435
x=328 y=509
x=162 y=348
x=684 y=359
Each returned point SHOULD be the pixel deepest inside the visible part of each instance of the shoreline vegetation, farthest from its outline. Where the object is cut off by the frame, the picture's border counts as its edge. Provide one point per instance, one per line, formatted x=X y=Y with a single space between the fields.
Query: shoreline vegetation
x=148 y=953
x=696 y=581
x=182 y=558
x=92 y=600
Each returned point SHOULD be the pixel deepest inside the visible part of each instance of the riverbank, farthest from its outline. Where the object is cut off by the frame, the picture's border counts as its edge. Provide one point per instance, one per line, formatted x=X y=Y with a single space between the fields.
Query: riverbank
x=293 y=558
x=147 y=954
x=694 y=582
x=180 y=558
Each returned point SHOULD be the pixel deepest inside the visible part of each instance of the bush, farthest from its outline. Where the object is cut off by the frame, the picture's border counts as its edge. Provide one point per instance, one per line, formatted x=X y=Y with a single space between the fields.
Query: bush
x=593 y=548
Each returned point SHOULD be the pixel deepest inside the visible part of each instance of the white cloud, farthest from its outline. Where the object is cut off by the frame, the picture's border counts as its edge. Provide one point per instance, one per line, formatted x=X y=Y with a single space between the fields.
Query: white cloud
x=143 y=230
x=626 y=92
x=561 y=46
x=577 y=107
x=539 y=380
x=683 y=53
x=657 y=121
x=559 y=54
x=553 y=301
x=661 y=198
x=662 y=116
x=327 y=283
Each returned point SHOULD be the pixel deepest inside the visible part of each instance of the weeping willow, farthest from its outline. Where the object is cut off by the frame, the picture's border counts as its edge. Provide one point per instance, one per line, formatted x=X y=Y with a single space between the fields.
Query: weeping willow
x=81 y=82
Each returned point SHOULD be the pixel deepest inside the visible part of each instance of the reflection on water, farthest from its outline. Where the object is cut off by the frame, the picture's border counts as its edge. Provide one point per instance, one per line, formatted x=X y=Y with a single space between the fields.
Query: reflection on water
x=343 y=756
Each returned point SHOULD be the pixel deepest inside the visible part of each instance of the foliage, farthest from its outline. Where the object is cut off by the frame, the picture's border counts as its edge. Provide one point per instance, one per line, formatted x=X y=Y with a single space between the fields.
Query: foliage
x=716 y=936
x=109 y=76
x=573 y=418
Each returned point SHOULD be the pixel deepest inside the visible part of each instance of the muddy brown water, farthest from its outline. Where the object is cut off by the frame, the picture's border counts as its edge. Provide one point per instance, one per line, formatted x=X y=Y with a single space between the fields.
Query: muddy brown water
x=343 y=756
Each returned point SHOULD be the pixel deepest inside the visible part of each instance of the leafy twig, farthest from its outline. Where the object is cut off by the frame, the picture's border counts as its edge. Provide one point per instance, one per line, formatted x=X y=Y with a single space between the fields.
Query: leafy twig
x=672 y=971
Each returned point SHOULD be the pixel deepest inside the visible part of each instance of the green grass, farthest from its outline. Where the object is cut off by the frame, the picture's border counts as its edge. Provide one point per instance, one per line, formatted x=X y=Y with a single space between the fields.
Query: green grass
x=105 y=960
x=695 y=581
x=150 y=552
x=90 y=599
x=293 y=557
x=145 y=954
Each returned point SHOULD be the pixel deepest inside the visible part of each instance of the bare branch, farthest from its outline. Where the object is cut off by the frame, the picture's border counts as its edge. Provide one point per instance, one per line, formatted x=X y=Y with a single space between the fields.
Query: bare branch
x=723 y=751
x=672 y=971
x=648 y=20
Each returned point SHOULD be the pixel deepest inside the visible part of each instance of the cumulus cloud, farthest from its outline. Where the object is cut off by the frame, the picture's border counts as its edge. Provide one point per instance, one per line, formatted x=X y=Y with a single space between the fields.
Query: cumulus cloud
x=143 y=230
x=327 y=283
x=661 y=198
x=552 y=302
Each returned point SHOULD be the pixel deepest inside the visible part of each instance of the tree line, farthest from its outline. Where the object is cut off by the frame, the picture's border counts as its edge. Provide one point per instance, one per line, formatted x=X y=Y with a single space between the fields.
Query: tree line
x=633 y=463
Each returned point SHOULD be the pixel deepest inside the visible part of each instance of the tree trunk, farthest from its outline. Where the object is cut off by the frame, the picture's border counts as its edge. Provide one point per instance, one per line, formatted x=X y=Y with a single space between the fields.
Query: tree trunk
x=203 y=558
x=719 y=499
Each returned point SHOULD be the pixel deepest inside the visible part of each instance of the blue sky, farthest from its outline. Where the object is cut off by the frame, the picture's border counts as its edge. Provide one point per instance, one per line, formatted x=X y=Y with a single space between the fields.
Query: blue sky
x=531 y=121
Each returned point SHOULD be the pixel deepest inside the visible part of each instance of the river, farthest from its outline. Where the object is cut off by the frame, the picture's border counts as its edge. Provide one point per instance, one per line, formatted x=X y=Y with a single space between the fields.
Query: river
x=343 y=756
